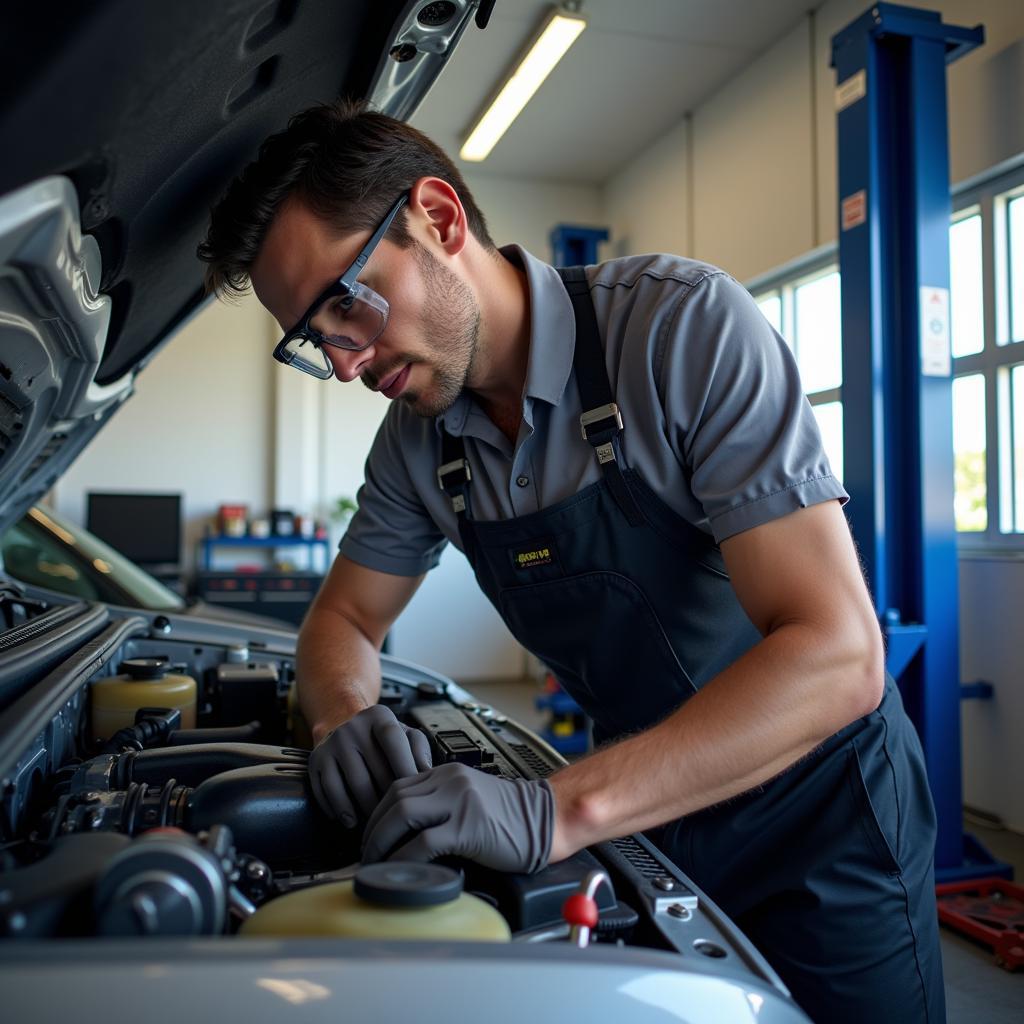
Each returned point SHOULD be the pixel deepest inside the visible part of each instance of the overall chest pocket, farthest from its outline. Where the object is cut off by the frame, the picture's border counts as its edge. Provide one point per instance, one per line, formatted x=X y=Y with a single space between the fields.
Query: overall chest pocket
x=601 y=637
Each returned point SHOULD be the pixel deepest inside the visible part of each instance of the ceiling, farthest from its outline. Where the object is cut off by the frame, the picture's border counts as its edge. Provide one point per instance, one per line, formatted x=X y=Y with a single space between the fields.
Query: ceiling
x=636 y=70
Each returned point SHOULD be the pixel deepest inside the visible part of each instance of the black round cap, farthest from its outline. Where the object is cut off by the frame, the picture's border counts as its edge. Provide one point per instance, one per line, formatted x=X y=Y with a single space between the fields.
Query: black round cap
x=407 y=884
x=145 y=668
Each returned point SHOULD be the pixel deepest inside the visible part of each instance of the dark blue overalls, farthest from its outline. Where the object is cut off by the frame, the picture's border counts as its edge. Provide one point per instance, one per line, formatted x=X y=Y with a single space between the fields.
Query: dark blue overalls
x=828 y=867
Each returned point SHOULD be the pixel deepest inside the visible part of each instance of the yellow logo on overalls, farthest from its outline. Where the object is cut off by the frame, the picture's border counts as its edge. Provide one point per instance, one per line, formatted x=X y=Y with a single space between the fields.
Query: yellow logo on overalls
x=530 y=558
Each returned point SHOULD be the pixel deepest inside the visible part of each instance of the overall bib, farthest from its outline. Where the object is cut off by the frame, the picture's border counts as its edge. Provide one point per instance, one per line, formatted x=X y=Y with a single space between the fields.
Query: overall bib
x=828 y=867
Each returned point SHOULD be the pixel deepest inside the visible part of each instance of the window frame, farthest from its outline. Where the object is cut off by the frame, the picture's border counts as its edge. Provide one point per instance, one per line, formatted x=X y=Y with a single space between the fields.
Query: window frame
x=990 y=196
x=784 y=281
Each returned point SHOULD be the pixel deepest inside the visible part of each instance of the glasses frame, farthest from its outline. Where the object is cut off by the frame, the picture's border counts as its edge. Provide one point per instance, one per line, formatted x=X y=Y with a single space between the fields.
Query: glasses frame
x=344 y=285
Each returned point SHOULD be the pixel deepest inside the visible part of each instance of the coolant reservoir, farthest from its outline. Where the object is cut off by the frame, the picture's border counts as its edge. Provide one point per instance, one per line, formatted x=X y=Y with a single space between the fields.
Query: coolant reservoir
x=143 y=683
x=392 y=900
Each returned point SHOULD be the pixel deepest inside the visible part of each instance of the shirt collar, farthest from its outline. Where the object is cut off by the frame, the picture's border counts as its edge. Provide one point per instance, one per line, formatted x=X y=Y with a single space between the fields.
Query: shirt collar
x=552 y=338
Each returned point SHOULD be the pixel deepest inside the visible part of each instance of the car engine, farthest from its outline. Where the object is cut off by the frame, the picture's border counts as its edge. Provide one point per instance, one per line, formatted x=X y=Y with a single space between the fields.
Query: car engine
x=191 y=814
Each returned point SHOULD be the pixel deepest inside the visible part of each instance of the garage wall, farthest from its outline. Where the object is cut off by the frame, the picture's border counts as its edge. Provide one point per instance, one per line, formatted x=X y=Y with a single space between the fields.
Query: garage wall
x=524 y=211
x=759 y=174
x=647 y=204
x=200 y=422
x=763 y=184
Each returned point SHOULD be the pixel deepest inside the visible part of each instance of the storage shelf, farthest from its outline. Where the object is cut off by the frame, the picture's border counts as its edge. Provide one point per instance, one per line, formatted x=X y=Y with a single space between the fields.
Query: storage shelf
x=311 y=544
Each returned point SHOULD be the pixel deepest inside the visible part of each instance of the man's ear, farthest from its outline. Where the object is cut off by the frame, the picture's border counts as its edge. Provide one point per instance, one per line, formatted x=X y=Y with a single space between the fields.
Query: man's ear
x=435 y=207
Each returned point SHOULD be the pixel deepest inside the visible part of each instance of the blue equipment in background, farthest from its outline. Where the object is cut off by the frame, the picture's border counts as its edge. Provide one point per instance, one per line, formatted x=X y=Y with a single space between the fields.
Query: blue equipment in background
x=573 y=246
x=894 y=215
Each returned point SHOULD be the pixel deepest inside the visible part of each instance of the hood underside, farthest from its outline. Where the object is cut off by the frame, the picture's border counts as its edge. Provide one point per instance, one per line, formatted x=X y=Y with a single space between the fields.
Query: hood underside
x=122 y=123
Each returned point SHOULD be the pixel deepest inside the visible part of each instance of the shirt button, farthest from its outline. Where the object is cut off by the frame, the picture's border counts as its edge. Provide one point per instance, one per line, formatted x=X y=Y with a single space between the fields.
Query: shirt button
x=522 y=480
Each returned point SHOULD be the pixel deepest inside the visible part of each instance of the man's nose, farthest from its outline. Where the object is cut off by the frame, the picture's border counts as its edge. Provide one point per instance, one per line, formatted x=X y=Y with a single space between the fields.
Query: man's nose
x=348 y=364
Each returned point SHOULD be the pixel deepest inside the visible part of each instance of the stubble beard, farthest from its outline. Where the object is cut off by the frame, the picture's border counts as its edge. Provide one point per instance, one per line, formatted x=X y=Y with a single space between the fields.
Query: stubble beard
x=451 y=323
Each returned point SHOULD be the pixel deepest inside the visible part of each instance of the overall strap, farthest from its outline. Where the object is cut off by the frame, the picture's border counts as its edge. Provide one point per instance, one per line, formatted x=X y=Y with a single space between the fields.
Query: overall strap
x=601 y=422
x=453 y=474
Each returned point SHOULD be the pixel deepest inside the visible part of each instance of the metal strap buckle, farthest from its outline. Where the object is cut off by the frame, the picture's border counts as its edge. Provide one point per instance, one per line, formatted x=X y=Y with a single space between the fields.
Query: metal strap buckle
x=602 y=412
x=458 y=466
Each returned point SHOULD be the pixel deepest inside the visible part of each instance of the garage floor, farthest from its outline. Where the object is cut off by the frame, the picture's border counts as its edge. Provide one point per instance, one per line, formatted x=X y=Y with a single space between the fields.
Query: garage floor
x=977 y=991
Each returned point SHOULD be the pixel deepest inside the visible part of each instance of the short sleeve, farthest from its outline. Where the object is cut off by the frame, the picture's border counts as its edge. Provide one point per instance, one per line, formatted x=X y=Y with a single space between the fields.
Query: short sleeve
x=391 y=530
x=739 y=421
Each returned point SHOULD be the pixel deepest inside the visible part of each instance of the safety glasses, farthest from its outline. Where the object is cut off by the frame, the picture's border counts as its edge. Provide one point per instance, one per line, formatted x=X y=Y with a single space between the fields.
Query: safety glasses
x=346 y=314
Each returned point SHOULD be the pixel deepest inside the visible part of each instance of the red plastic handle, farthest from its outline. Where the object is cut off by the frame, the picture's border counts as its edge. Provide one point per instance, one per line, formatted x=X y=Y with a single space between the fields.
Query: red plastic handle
x=580 y=909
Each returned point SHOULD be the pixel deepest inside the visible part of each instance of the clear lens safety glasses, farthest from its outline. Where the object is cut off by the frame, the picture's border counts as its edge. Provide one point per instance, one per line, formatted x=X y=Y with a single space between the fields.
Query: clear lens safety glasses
x=351 y=321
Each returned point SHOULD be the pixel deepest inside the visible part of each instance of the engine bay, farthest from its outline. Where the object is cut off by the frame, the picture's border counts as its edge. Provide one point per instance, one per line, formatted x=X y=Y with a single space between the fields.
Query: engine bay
x=192 y=814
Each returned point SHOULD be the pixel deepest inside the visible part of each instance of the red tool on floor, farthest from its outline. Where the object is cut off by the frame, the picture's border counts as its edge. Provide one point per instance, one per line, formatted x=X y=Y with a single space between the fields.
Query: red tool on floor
x=990 y=910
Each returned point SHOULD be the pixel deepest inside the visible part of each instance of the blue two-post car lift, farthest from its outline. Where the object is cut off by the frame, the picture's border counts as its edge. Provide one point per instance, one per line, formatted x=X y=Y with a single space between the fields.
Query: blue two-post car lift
x=894 y=215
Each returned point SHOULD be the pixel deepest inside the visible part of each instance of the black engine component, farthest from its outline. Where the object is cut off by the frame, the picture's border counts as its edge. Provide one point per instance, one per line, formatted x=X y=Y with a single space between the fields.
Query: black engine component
x=273 y=815
x=194 y=764
x=167 y=883
x=534 y=901
x=242 y=693
x=53 y=895
x=152 y=727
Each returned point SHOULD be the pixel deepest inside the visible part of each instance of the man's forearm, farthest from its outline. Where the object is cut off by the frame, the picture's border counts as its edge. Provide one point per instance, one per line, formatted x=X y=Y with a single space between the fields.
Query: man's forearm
x=338 y=671
x=777 y=703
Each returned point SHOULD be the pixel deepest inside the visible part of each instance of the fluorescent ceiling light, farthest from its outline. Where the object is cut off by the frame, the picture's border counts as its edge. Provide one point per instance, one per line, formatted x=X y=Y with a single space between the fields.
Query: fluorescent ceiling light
x=559 y=33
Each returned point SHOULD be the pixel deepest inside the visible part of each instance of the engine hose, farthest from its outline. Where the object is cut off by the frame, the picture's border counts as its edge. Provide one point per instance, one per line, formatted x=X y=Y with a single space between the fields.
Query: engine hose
x=228 y=734
x=150 y=731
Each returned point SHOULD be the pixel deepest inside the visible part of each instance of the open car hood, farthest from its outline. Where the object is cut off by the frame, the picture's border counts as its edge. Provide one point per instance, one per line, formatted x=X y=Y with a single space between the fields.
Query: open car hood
x=122 y=123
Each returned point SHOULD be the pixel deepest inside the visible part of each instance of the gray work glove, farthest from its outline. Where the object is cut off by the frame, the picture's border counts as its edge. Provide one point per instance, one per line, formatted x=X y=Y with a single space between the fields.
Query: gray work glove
x=351 y=768
x=452 y=809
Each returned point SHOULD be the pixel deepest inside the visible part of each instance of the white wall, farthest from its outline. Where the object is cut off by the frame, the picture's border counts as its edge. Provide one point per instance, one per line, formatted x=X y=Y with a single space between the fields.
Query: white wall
x=763 y=155
x=753 y=163
x=991 y=600
x=525 y=211
x=200 y=422
x=646 y=204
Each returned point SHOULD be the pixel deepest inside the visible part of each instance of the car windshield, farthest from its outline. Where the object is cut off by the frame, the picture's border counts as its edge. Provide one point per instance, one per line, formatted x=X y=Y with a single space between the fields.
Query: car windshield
x=44 y=550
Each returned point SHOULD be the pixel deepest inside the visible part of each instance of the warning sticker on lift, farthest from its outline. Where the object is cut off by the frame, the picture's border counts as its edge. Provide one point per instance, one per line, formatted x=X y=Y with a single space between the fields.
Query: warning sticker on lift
x=854 y=88
x=855 y=210
x=936 y=357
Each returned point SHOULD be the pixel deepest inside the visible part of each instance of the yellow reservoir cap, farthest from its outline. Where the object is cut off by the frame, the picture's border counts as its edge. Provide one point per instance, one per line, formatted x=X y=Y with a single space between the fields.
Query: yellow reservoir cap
x=334 y=909
x=116 y=699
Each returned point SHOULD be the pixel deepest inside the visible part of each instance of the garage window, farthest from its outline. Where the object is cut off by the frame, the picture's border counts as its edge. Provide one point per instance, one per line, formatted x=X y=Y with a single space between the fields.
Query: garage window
x=804 y=309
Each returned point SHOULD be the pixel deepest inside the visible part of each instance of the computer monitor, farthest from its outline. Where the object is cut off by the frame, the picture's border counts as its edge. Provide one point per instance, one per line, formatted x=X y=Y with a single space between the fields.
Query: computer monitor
x=144 y=527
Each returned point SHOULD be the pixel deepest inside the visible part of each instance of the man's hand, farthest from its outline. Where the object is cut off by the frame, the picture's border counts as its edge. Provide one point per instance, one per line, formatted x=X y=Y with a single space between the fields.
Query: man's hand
x=352 y=767
x=453 y=809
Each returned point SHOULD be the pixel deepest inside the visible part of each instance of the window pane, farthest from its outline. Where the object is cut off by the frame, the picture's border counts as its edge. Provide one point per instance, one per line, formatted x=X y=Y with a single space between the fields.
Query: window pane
x=970 y=491
x=830 y=423
x=818 y=330
x=771 y=306
x=965 y=286
x=1016 y=213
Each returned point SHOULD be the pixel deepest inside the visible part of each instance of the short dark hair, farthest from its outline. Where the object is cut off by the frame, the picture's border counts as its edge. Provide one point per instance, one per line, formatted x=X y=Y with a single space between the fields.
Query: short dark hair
x=347 y=163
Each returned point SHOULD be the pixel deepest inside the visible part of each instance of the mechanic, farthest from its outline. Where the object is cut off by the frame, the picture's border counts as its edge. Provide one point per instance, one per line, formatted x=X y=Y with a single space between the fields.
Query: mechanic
x=680 y=561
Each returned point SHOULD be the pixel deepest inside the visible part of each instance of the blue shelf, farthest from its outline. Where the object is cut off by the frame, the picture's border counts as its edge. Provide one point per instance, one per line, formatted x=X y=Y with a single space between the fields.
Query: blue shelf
x=312 y=544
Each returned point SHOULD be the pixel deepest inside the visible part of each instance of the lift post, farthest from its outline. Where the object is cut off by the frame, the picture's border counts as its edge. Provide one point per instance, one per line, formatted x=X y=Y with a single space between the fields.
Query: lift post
x=894 y=216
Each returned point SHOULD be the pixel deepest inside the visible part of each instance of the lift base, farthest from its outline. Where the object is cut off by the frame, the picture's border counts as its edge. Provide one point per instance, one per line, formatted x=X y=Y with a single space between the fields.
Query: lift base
x=990 y=910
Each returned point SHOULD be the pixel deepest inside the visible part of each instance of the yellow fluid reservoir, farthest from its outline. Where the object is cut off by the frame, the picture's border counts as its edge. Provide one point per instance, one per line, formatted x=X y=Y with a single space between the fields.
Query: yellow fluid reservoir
x=393 y=900
x=143 y=683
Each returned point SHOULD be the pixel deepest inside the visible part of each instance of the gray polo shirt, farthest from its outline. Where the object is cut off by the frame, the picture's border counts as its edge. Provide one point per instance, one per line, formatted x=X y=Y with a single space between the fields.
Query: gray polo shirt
x=714 y=417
